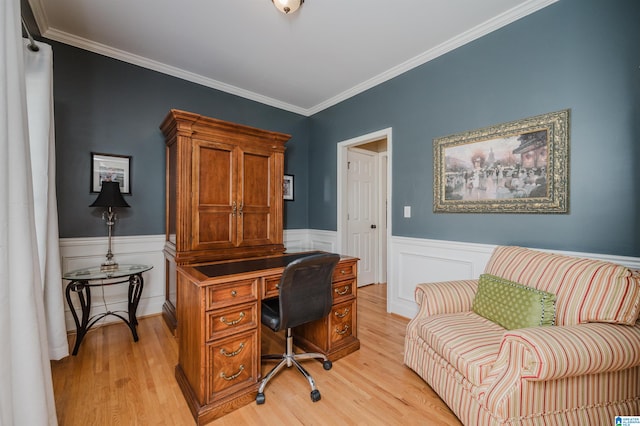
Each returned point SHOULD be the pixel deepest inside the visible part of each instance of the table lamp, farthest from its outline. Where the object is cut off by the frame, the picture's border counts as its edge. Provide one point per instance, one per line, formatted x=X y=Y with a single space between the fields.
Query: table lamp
x=109 y=197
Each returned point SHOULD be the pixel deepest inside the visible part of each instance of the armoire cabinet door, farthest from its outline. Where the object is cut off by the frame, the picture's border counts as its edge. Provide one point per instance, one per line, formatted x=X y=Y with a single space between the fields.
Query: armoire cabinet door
x=223 y=194
x=258 y=197
x=214 y=207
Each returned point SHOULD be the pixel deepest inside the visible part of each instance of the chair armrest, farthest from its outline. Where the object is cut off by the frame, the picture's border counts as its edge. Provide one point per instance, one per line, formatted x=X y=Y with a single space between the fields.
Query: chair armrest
x=550 y=353
x=445 y=297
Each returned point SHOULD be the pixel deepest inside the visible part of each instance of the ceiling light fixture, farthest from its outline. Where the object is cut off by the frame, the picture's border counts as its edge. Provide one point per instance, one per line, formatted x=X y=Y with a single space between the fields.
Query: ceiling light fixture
x=287 y=6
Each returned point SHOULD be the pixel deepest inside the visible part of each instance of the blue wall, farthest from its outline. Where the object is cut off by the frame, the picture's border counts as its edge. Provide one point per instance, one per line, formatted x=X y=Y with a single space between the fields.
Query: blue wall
x=107 y=106
x=576 y=54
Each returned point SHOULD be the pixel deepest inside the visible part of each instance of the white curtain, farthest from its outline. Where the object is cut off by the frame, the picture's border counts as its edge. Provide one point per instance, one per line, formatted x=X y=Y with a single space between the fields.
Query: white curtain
x=38 y=69
x=26 y=389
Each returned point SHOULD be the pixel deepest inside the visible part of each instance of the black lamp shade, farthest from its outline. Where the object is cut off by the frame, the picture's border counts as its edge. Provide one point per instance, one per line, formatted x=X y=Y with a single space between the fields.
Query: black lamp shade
x=110 y=196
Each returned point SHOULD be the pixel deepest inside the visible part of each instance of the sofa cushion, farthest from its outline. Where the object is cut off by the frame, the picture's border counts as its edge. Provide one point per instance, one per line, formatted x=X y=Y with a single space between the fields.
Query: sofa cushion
x=513 y=305
x=586 y=290
x=469 y=342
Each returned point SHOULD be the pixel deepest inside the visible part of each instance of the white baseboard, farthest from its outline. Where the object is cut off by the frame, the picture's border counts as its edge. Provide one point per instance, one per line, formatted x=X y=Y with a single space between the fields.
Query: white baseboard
x=411 y=261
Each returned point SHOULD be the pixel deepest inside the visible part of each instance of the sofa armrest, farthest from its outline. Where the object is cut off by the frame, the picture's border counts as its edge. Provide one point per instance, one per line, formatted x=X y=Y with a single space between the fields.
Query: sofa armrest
x=550 y=353
x=445 y=297
x=556 y=352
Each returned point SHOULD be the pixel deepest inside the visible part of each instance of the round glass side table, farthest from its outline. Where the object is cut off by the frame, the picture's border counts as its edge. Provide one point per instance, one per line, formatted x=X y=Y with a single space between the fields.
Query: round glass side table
x=82 y=280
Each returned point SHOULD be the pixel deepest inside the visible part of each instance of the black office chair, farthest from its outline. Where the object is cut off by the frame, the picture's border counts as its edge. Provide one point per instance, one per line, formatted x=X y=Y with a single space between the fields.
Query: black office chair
x=305 y=296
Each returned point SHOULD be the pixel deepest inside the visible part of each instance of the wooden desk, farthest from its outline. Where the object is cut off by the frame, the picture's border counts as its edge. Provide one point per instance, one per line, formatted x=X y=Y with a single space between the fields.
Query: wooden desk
x=219 y=366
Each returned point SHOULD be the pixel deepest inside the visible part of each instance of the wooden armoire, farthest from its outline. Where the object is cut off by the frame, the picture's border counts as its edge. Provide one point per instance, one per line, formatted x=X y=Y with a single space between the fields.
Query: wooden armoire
x=223 y=194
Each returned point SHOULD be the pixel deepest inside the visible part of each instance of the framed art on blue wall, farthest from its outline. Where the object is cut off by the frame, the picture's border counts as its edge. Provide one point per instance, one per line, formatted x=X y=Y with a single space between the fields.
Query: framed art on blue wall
x=287 y=188
x=516 y=167
x=110 y=167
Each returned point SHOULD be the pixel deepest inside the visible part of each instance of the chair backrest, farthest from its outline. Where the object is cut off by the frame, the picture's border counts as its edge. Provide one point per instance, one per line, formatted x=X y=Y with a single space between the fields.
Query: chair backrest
x=305 y=289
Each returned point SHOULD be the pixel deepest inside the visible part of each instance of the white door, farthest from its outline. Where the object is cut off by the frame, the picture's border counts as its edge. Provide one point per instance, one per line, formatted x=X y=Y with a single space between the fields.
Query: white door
x=362 y=212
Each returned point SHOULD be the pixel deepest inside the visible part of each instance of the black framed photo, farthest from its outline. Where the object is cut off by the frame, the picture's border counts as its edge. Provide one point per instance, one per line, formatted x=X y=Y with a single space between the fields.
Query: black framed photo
x=287 y=188
x=112 y=168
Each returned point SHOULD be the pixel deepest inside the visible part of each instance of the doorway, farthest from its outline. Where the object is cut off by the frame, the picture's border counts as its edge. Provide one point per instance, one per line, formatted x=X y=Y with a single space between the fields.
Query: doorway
x=364 y=197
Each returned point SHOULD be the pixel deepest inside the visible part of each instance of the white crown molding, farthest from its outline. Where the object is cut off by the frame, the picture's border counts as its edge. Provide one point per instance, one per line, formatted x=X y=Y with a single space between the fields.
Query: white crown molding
x=143 y=62
x=487 y=27
x=38 y=14
x=483 y=29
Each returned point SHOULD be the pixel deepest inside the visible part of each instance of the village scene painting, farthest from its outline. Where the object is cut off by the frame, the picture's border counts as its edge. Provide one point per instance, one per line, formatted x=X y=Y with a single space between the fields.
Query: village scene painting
x=502 y=168
x=516 y=167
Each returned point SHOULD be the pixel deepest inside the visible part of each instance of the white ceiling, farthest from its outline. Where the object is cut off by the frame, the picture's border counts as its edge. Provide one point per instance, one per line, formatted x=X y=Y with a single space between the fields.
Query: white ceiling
x=328 y=51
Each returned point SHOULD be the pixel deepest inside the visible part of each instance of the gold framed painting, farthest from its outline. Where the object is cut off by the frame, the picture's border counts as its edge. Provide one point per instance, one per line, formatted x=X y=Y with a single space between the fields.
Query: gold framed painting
x=516 y=167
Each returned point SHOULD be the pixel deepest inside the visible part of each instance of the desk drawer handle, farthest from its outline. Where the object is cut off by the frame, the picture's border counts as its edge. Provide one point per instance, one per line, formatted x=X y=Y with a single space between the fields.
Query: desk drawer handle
x=344 y=330
x=233 y=322
x=345 y=290
x=343 y=314
x=234 y=293
x=233 y=376
x=224 y=352
x=342 y=271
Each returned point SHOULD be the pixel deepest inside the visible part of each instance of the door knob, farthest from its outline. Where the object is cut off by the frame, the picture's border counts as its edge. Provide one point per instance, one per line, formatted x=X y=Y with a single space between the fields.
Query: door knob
x=373 y=227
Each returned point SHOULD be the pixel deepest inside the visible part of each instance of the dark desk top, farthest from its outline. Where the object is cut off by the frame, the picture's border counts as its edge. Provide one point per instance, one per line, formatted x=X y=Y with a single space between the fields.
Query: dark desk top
x=250 y=265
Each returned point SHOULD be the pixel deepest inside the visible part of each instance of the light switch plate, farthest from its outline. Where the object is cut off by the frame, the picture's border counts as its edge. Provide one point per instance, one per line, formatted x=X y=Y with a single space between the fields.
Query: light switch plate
x=407 y=211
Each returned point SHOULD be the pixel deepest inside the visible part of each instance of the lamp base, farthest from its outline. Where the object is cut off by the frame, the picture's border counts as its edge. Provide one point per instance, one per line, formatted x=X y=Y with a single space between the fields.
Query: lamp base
x=107 y=267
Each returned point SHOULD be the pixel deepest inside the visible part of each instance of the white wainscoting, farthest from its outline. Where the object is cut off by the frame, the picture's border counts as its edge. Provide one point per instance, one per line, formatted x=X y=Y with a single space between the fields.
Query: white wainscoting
x=309 y=239
x=414 y=260
x=322 y=240
x=411 y=261
x=77 y=253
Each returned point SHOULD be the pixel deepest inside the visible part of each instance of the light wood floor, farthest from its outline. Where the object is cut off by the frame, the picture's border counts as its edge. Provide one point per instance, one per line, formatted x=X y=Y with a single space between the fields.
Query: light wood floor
x=113 y=381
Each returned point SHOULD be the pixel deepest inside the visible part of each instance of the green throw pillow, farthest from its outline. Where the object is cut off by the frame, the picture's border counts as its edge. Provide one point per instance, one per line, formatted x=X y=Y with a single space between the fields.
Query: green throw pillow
x=513 y=305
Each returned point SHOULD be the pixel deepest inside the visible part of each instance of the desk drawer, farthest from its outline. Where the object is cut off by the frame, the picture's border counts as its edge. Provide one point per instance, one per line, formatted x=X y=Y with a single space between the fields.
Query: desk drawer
x=342 y=321
x=343 y=290
x=222 y=295
x=224 y=322
x=345 y=270
x=270 y=287
x=233 y=363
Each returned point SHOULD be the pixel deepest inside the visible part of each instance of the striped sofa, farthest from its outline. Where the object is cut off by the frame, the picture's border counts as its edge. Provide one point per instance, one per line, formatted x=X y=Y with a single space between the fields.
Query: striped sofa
x=584 y=370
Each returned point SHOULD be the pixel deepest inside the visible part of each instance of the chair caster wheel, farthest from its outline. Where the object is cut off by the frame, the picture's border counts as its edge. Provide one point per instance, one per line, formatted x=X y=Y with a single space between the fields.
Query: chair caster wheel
x=315 y=395
x=327 y=365
x=260 y=399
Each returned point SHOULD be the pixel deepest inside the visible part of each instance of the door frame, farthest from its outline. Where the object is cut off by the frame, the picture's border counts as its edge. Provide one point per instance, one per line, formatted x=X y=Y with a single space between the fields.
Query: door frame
x=342 y=192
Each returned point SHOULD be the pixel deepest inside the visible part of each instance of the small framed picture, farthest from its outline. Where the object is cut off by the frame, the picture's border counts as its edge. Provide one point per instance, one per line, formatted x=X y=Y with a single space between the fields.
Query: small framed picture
x=112 y=168
x=287 y=188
